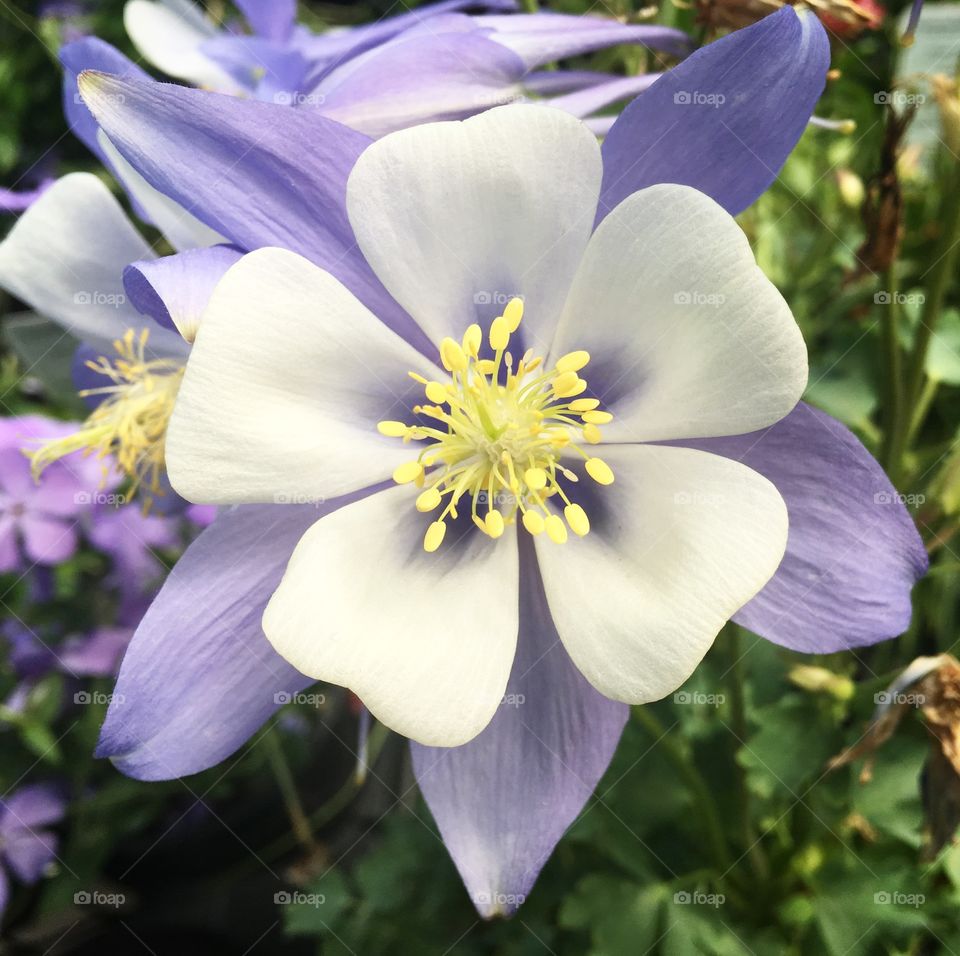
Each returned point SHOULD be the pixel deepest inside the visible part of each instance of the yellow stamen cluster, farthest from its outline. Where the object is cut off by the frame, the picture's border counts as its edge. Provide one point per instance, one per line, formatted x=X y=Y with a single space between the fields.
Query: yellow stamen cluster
x=500 y=434
x=130 y=423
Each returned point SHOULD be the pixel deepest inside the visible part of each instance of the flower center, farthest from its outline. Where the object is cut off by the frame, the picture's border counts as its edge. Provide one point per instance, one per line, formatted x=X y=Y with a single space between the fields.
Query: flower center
x=130 y=423
x=500 y=434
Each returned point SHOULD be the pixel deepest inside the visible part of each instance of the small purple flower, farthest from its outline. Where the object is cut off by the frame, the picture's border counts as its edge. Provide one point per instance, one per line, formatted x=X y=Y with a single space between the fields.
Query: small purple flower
x=38 y=520
x=131 y=538
x=26 y=845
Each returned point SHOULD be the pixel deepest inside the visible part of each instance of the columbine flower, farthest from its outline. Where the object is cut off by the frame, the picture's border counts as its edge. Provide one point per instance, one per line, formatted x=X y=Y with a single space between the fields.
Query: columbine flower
x=67 y=257
x=26 y=845
x=689 y=340
x=430 y=63
x=199 y=658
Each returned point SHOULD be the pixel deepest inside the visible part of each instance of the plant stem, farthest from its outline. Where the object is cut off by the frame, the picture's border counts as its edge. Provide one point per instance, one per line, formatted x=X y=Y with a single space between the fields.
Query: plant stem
x=890 y=324
x=941 y=273
x=694 y=781
x=758 y=859
x=288 y=790
x=339 y=801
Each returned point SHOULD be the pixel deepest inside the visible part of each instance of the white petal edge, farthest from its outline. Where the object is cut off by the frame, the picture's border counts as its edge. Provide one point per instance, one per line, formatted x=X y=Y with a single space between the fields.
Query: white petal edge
x=680 y=541
x=181 y=229
x=286 y=382
x=425 y=640
x=688 y=338
x=170 y=39
x=65 y=257
x=455 y=218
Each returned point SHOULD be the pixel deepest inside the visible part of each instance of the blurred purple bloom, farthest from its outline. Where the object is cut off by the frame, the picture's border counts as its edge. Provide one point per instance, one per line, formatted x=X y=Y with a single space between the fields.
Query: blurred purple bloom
x=38 y=520
x=97 y=654
x=131 y=538
x=27 y=846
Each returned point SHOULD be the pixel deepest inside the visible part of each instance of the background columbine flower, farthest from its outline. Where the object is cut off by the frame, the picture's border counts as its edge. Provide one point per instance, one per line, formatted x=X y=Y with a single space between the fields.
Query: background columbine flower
x=433 y=62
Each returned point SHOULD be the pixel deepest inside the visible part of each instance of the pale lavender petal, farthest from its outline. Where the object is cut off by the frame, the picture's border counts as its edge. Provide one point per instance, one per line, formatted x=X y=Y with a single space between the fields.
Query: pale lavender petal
x=15 y=477
x=9 y=551
x=200 y=677
x=91 y=53
x=594 y=98
x=337 y=47
x=14 y=200
x=61 y=491
x=504 y=800
x=27 y=853
x=540 y=38
x=35 y=805
x=853 y=552
x=725 y=119
x=48 y=540
x=272 y=19
x=448 y=70
x=174 y=290
x=549 y=82
x=258 y=173
x=97 y=655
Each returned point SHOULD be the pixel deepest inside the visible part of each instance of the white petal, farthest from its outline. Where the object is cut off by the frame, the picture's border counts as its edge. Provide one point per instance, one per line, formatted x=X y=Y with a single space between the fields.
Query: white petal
x=285 y=385
x=170 y=39
x=688 y=337
x=182 y=229
x=65 y=258
x=425 y=640
x=678 y=543
x=456 y=218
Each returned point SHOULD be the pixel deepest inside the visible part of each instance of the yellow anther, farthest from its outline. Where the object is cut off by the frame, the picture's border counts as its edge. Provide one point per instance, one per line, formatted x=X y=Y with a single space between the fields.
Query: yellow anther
x=494 y=524
x=513 y=313
x=565 y=381
x=428 y=500
x=577 y=519
x=436 y=392
x=130 y=422
x=497 y=434
x=499 y=334
x=579 y=386
x=573 y=361
x=452 y=356
x=556 y=529
x=407 y=472
x=599 y=471
x=597 y=418
x=535 y=478
x=472 y=340
x=533 y=522
x=434 y=536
